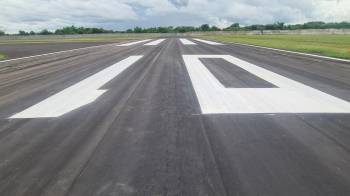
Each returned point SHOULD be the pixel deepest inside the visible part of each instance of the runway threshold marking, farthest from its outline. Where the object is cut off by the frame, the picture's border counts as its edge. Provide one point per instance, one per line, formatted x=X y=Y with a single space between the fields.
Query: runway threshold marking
x=134 y=43
x=187 y=42
x=290 y=97
x=78 y=95
x=209 y=42
x=155 y=43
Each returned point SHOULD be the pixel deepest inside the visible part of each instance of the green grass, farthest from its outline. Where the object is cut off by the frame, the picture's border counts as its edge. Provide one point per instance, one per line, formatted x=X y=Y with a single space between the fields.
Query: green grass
x=2 y=57
x=337 y=46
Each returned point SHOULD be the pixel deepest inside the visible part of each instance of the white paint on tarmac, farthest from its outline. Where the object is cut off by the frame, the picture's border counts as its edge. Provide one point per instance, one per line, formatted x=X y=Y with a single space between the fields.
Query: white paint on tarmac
x=155 y=43
x=290 y=97
x=209 y=42
x=187 y=42
x=78 y=95
x=134 y=43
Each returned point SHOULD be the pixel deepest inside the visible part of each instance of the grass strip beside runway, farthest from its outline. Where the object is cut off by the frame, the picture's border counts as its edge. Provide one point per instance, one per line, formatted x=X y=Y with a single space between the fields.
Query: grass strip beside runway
x=2 y=56
x=337 y=46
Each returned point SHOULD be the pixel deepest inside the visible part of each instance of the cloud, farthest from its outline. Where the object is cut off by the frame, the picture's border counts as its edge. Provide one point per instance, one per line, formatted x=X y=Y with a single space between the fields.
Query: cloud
x=122 y=14
x=179 y=3
x=40 y=14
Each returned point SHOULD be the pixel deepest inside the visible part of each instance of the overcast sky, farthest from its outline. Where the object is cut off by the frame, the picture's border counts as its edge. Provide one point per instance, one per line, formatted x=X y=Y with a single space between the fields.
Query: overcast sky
x=123 y=14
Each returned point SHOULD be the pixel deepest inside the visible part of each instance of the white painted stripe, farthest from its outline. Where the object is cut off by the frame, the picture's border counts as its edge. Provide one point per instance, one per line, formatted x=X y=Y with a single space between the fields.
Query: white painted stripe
x=134 y=43
x=209 y=42
x=154 y=43
x=78 y=95
x=290 y=97
x=54 y=53
x=292 y=52
x=187 y=42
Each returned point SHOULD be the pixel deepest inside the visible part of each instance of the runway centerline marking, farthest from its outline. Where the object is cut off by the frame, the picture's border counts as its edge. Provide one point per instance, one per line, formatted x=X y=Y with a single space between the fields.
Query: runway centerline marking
x=187 y=42
x=290 y=97
x=78 y=95
x=154 y=43
x=134 y=43
x=209 y=42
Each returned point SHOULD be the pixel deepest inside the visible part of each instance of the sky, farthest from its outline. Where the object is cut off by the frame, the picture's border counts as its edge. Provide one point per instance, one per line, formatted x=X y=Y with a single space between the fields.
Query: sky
x=123 y=14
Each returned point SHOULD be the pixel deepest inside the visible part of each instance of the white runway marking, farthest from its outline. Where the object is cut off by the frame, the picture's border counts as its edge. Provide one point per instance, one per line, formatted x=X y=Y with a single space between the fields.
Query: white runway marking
x=154 y=43
x=134 y=43
x=290 y=97
x=209 y=42
x=187 y=42
x=78 y=95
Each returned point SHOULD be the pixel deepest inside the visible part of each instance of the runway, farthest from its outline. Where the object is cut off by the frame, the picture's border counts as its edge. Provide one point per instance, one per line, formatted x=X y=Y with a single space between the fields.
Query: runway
x=174 y=116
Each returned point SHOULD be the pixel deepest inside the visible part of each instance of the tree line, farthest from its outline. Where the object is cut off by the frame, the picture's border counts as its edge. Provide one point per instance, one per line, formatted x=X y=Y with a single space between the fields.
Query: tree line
x=283 y=26
x=68 y=31
x=183 y=29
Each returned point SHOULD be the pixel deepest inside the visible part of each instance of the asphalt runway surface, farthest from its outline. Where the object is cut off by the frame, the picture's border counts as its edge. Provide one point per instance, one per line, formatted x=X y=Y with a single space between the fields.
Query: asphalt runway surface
x=22 y=50
x=174 y=117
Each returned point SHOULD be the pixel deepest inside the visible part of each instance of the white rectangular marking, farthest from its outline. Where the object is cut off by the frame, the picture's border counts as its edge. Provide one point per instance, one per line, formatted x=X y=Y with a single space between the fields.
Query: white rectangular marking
x=134 y=43
x=290 y=97
x=78 y=95
x=209 y=42
x=187 y=42
x=155 y=43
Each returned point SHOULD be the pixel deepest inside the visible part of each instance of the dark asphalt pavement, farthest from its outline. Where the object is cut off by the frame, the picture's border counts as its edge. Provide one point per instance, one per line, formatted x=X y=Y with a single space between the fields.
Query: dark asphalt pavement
x=22 y=50
x=146 y=135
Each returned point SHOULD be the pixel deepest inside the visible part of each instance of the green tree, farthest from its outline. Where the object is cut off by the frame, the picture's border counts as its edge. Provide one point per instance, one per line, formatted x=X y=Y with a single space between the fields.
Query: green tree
x=138 y=30
x=235 y=25
x=215 y=28
x=204 y=27
x=314 y=25
x=67 y=30
x=184 y=29
x=45 y=32
x=21 y=32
